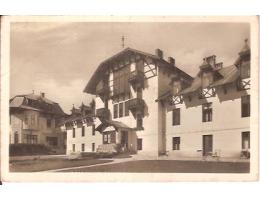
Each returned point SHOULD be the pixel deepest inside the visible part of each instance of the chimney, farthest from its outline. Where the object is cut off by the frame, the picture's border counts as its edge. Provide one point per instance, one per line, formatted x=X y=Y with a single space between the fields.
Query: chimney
x=159 y=53
x=42 y=94
x=171 y=60
x=211 y=60
x=219 y=65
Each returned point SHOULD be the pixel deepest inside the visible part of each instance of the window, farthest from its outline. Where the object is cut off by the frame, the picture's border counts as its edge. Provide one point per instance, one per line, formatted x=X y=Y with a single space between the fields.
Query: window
x=16 y=137
x=207 y=79
x=73 y=132
x=139 y=144
x=52 y=141
x=246 y=140
x=31 y=139
x=26 y=120
x=176 y=143
x=93 y=129
x=82 y=147
x=115 y=111
x=106 y=138
x=127 y=108
x=83 y=131
x=121 y=109
x=139 y=120
x=32 y=119
x=245 y=71
x=245 y=106
x=48 y=123
x=207 y=112
x=73 y=147
x=176 y=117
x=56 y=122
x=176 y=87
x=93 y=147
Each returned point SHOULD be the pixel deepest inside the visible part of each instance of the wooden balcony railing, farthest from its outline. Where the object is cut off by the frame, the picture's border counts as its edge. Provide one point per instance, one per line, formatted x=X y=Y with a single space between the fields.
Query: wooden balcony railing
x=136 y=104
x=102 y=91
x=103 y=113
x=136 y=77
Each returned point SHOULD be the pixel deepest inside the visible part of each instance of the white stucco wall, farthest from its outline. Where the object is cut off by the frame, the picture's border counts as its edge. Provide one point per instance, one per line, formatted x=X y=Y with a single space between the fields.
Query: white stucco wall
x=88 y=139
x=226 y=125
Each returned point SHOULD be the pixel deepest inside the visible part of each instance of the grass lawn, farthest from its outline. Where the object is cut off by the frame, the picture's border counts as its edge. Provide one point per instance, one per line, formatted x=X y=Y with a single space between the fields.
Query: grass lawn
x=170 y=166
x=50 y=164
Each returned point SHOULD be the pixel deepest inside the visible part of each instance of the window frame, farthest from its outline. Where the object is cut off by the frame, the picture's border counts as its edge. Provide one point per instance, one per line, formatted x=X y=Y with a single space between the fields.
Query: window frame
x=176 y=141
x=82 y=147
x=93 y=129
x=93 y=146
x=115 y=107
x=48 y=123
x=176 y=117
x=207 y=112
x=139 y=144
x=126 y=108
x=73 y=132
x=121 y=110
x=83 y=131
x=243 y=137
x=245 y=104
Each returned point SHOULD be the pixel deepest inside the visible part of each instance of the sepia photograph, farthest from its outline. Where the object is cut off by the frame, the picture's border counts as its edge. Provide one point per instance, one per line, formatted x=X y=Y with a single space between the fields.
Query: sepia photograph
x=129 y=98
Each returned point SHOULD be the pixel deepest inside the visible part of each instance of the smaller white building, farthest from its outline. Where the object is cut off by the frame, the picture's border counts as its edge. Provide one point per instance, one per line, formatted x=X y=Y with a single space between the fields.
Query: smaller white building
x=81 y=131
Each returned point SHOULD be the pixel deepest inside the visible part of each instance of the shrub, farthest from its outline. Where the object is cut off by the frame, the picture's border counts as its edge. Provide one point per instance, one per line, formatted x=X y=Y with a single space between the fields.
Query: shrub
x=28 y=149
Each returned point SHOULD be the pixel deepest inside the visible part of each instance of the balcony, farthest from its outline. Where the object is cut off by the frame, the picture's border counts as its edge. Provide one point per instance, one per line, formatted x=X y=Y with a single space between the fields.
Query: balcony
x=103 y=113
x=136 y=104
x=102 y=91
x=243 y=84
x=136 y=77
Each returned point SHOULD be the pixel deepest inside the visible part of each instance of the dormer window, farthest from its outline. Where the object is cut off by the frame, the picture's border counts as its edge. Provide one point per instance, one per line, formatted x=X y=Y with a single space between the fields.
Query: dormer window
x=245 y=71
x=243 y=65
x=207 y=79
x=176 y=87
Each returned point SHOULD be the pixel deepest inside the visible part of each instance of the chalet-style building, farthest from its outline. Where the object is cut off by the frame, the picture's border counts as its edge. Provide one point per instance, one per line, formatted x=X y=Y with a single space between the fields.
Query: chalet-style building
x=34 y=119
x=148 y=105
x=80 y=127
x=213 y=115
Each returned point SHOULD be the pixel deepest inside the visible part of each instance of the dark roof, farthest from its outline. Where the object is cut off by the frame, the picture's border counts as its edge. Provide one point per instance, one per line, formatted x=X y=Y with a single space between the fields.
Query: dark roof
x=21 y=102
x=115 y=124
x=72 y=118
x=36 y=97
x=90 y=87
x=228 y=75
x=195 y=85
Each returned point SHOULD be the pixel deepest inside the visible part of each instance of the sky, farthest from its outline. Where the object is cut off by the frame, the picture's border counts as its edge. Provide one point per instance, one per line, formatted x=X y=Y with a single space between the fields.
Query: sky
x=59 y=58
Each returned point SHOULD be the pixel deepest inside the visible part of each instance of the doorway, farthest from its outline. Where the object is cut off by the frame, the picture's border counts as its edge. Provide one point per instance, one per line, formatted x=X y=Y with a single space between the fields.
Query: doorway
x=207 y=145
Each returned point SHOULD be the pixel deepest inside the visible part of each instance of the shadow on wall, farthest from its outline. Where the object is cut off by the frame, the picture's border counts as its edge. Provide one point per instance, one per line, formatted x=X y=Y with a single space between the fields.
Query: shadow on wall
x=227 y=93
